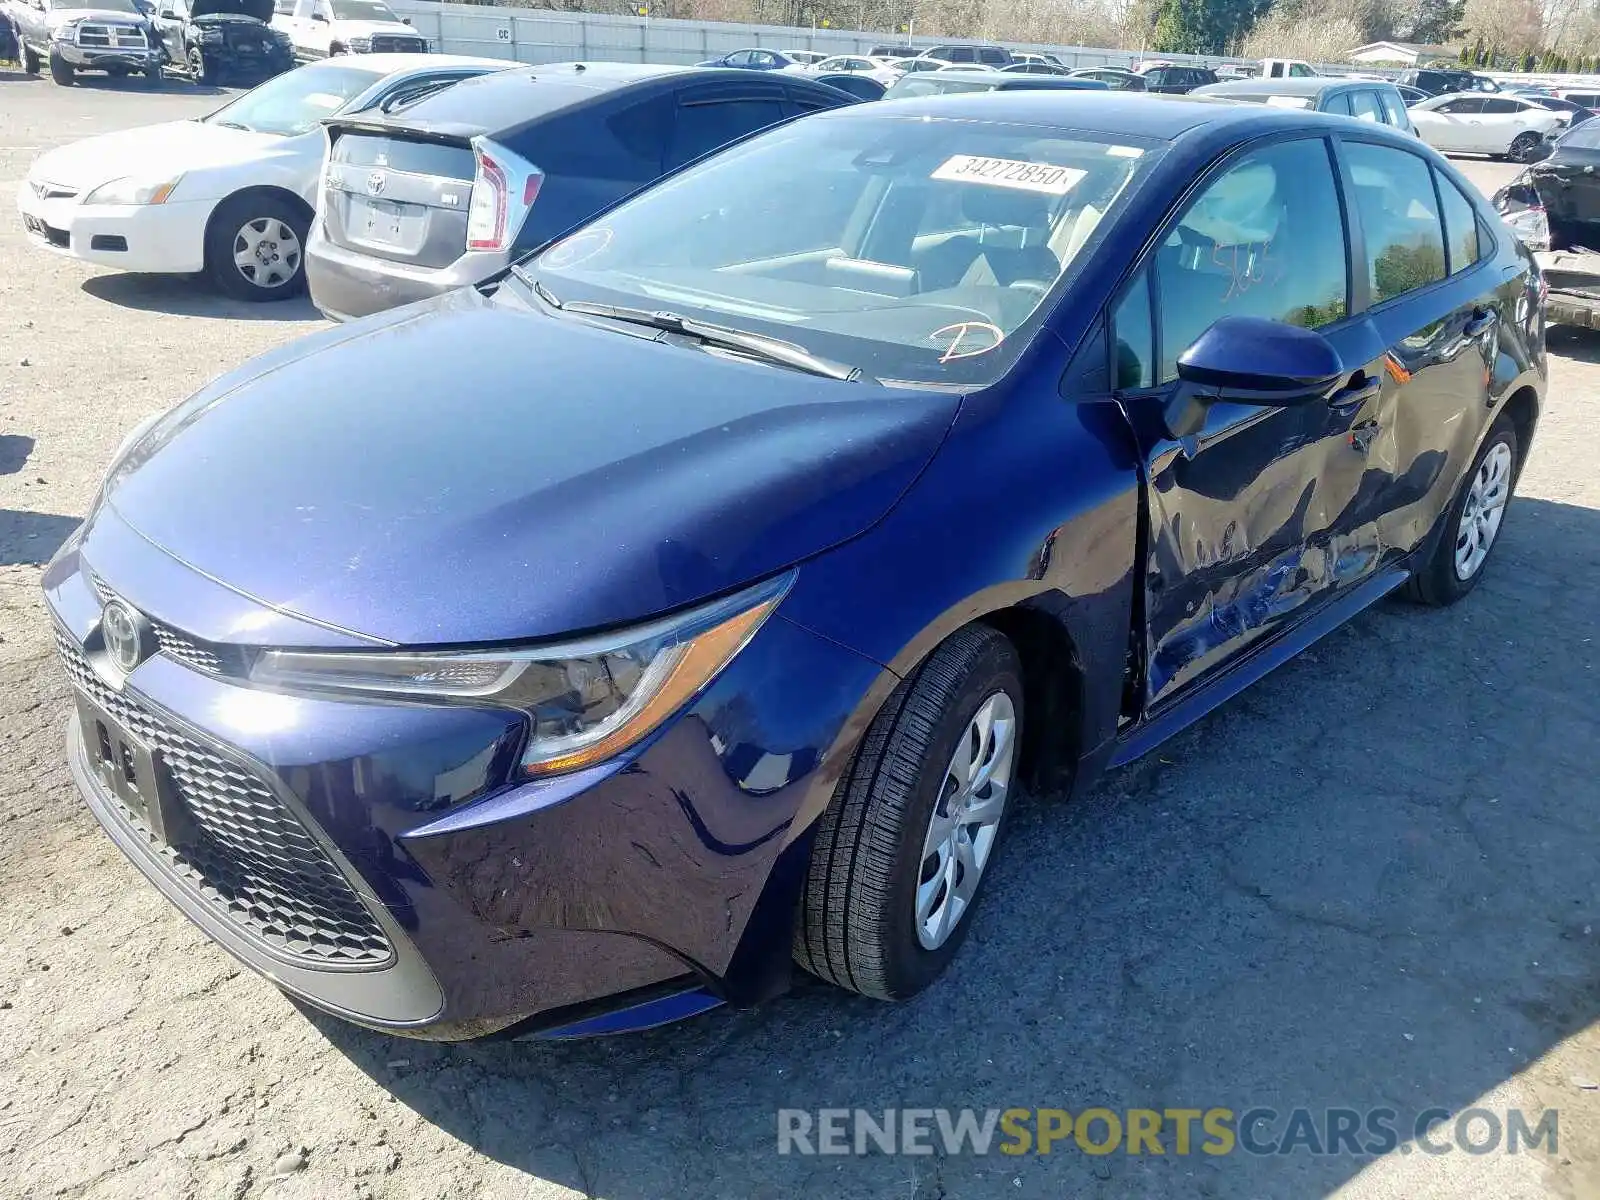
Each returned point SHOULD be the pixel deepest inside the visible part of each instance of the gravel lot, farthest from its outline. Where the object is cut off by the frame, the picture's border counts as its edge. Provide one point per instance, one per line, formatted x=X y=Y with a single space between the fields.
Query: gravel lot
x=1369 y=881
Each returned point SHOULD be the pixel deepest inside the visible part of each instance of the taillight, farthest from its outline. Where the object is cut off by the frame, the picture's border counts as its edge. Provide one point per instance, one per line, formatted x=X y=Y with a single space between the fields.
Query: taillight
x=504 y=188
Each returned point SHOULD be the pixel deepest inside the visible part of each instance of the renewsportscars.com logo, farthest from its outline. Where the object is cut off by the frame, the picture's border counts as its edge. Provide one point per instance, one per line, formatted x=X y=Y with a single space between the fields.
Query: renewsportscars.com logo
x=1180 y=1131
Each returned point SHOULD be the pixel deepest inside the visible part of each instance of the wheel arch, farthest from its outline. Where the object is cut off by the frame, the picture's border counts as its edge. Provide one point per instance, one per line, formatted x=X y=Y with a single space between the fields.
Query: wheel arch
x=256 y=189
x=1522 y=410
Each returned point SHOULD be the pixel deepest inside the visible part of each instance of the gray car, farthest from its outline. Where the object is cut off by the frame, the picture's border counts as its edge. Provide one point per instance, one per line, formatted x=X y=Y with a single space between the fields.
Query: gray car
x=85 y=35
x=1365 y=99
x=442 y=193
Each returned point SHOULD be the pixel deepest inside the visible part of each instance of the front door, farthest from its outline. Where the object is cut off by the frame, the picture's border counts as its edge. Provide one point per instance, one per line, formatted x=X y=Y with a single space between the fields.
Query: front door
x=1259 y=517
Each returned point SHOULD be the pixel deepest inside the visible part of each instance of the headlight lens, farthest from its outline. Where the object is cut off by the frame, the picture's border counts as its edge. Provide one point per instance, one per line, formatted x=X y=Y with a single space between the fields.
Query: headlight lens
x=361 y=44
x=132 y=190
x=67 y=31
x=209 y=34
x=586 y=701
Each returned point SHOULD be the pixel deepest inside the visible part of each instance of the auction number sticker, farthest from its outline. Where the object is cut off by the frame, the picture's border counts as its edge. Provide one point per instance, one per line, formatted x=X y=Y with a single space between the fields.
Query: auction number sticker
x=1009 y=173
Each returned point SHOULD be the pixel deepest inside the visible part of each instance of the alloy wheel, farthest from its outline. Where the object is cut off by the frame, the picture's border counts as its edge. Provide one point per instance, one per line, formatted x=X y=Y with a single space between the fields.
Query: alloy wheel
x=966 y=818
x=267 y=252
x=1484 y=508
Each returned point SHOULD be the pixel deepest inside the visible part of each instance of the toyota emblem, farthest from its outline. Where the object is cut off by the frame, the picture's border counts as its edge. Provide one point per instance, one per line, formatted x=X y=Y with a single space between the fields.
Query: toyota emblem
x=126 y=635
x=375 y=182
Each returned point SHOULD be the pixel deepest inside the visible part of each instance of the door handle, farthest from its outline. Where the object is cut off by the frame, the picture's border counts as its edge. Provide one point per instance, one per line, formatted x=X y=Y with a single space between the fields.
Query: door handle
x=1361 y=388
x=1482 y=321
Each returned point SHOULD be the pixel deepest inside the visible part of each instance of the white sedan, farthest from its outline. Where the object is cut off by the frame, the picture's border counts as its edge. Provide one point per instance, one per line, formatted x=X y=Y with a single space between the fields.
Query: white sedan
x=880 y=69
x=1479 y=123
x=230 y=194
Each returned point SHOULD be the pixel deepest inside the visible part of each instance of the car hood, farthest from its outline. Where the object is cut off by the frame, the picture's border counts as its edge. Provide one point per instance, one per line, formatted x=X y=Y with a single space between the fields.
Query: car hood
x=467 y=470
x=153 y=150
x=368 y=28
x=260 y=10
x=98 y=16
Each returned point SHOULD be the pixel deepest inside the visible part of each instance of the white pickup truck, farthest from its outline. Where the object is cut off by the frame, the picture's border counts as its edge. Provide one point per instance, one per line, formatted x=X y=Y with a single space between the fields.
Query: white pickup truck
x=323 y=28
x=1286 y=68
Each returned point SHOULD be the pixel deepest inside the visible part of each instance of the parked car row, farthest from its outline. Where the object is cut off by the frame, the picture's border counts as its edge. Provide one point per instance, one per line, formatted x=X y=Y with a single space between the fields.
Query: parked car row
x=686 y=602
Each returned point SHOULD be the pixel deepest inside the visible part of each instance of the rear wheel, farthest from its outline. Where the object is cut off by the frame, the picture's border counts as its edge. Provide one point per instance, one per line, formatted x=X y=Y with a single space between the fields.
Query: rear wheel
x=905 y=845
x=1472 y=525
x=30 y=61
x=61 y=70
x=255 y=247
x=1523 y=146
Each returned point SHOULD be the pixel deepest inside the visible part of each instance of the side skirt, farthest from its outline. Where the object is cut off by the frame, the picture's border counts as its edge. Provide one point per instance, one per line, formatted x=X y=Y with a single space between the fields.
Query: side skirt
x=1149 y=734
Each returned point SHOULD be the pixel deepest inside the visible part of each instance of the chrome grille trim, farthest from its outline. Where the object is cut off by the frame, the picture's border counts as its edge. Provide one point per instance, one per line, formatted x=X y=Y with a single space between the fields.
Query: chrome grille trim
x=174 y=643
x=249 y=855
x=111 y=37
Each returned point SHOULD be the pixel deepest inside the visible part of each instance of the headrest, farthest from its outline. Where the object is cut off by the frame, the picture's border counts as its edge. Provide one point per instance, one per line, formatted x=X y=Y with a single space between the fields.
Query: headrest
x=1005 y=206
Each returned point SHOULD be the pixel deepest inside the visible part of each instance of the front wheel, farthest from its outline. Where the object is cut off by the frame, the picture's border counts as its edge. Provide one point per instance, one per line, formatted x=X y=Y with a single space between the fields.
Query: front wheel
x=1523 y=146
x=1472 y=524
x=61 y=70
x=200 y=69
x=255 y=247
x=152 y=74
x=903 y=848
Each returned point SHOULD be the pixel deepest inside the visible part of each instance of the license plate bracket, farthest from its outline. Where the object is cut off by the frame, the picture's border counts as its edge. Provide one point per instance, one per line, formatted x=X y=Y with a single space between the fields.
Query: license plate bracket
x=382 y=221
x=132 y=771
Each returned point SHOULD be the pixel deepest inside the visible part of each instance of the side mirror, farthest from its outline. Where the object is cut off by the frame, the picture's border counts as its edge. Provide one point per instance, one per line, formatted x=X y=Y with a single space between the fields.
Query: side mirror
x=317 y=16
x=405 y=20
x=1249 y=360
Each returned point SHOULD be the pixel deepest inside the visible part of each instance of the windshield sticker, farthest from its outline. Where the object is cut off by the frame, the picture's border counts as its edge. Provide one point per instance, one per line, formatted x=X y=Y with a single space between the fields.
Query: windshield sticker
x=1124 y=152
x=578 y=248
x=1288 y=102
x=968 y=339
x=1009 y=173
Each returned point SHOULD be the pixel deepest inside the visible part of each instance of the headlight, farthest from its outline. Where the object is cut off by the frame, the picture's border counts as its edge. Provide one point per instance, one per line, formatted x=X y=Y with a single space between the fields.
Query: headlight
x=1532 y=227
x=132 y=190
x=361 y=44
x=67 y=31
x=586 y=701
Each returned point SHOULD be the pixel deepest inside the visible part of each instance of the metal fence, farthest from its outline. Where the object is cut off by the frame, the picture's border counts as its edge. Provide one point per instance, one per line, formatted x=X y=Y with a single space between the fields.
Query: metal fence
x=533 y=35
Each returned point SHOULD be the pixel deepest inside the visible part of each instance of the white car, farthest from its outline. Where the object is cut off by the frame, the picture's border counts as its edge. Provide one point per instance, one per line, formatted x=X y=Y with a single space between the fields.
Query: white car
x=855 y=64
x=325 y=28
x=1479 y=123
x=231 y=194
x=915 y=66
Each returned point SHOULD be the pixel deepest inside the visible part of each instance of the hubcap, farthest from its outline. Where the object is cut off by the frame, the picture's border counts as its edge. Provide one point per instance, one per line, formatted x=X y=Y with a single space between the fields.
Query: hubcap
x=267 y=252
x=1486 y=505
x=966 y=817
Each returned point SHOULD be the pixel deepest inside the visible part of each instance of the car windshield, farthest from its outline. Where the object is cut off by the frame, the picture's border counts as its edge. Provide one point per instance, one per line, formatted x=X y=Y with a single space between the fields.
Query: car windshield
x=121 y=6
x=362 y=10
x=917 y=250
x=1582 y=137
x=293 y=103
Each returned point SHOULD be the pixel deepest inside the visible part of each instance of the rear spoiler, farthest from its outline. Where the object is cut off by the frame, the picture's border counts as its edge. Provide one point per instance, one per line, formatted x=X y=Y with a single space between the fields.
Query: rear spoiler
x=453 y=134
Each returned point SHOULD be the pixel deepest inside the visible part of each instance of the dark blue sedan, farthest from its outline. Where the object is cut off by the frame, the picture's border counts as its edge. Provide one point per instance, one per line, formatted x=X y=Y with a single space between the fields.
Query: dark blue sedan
x=694 y=599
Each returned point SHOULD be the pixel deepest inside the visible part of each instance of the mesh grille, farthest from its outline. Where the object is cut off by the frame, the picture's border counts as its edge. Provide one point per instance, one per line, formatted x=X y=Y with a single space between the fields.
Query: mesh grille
x=397 y=44
x=173 y=642
x=116 y=37
x=245 y=852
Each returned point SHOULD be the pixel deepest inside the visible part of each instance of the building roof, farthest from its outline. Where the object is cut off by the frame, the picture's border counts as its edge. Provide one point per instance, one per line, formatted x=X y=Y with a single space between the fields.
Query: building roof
x=1417 y=48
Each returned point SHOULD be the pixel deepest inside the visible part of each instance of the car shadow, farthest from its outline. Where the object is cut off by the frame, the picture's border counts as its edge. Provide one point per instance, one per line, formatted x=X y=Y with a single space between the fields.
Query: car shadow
x=169 y=85
x=1368 y=881
x=14 y=451
x=30 y=539
x=1574 y=342
x=191 y=296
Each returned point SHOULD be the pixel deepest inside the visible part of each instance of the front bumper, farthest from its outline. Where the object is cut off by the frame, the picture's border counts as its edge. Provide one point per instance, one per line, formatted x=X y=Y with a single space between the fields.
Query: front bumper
x=98 y=59
x=379 y=863
x=346 y=284
x=157 y=238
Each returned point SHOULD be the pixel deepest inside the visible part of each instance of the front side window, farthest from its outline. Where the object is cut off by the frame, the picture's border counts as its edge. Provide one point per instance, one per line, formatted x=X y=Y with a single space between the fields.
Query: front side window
x=1364 y=107
x=1394 y=109
x=916 y=250
x=363 y=10
x=1399 y=218
x=1502 y=108
x=1300 y=71
x=1464 y=105
x=1133 y=342
x=1265 y=239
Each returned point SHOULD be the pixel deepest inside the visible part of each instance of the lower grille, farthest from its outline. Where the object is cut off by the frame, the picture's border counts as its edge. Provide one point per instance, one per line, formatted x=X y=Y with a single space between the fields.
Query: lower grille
x=111 y=37
x=245 y=851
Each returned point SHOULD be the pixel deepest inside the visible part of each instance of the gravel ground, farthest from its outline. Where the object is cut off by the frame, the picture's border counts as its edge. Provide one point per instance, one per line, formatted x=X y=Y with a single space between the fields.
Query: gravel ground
x=1370 y=881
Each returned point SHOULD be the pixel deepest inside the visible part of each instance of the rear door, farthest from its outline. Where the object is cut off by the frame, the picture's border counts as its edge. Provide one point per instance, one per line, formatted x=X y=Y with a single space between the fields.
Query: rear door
x=1455 y=125
x=1503 y=119
x=1425 y=264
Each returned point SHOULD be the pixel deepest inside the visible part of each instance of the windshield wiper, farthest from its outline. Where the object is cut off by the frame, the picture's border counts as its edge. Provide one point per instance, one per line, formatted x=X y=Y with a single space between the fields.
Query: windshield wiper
x=771 y=349
x=232 y=125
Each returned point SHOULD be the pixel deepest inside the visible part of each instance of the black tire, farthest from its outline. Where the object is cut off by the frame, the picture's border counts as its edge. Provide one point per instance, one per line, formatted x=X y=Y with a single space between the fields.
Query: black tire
x=201 y=70
x=30 y=62
x=61 y=71
x=335 y=49
x=1437 y=582
x=224 y=238
x=857 y=925
x=1523 y=145
x=152 y=74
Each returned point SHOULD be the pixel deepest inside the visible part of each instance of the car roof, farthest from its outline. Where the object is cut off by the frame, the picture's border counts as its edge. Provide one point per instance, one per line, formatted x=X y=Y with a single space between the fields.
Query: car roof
x=510 y=99
x=1016 y=80
x=1288 y=87
x=390 y=64
x=1148 y=115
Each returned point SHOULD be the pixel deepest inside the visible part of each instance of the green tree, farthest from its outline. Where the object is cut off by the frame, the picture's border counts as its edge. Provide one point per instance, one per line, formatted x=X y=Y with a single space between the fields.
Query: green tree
x=1478 y=52
x=1436 y=22
x=1204 y=26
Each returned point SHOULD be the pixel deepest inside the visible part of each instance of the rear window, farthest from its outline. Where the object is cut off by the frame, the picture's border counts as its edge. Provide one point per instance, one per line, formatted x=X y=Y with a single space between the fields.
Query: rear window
x=993 y=56
x=403 y=154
